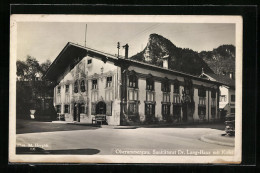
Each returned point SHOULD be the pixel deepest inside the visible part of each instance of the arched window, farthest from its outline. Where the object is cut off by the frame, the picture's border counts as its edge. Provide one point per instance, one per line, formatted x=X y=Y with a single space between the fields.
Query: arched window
x=82 y=86
x=76 y=86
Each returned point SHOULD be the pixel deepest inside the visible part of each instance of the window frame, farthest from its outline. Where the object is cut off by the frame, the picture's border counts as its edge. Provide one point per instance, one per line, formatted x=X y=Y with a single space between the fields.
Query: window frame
x=67 y=89
x=67 y=111
x=82 y=87
x=59 y=89
x=94 y=86
x=150 y=84
x=76 y=90
x=109 y=83
x=132 y=81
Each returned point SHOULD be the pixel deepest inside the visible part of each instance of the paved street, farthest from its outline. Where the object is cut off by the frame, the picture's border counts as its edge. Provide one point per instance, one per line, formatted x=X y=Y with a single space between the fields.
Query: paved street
x=105 y=140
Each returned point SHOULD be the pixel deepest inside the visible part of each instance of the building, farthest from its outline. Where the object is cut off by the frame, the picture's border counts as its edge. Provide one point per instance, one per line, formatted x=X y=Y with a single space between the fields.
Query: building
x=90 y=82
x=227 y=92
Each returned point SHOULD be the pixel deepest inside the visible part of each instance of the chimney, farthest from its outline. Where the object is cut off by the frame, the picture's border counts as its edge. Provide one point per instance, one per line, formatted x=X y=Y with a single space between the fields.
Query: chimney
x=126 y=50
x=165 y=61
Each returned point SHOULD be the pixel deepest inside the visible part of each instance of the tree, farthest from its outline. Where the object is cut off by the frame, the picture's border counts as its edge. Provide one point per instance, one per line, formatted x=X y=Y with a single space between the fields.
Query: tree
x=44 y=66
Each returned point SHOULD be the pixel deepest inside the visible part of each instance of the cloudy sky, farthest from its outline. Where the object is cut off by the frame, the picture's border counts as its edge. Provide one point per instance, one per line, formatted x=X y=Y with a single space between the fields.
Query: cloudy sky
x=45 y=40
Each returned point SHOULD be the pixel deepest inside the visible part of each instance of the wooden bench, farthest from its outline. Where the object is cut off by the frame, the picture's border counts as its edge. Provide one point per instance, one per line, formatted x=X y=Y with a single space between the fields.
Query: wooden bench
x=99 y=118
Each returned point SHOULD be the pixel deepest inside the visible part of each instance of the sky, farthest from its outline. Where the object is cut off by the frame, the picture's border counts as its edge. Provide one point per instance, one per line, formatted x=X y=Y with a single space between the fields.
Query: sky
x=45 y=40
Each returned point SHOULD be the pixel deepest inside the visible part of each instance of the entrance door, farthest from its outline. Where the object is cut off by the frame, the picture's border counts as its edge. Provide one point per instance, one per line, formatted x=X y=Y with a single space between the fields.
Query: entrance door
x=101 y=108
x=76 y=114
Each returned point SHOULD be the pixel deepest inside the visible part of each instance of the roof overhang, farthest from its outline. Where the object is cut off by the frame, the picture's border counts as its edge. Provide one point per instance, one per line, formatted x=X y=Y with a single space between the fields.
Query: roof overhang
x=71 y=55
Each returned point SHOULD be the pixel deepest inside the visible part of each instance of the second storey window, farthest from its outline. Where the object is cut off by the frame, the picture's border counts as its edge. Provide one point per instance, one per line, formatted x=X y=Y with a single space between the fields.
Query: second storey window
x=176 y=88
x=233 y=98
x=76 y=87
x=166 y=97
x=67 y=87
x=149 y=96
x=166 y=86
x=58 y=91
x=133 y=94
x=94 y=84
x=202 y=92
x=82 y=86
x=133 y=81
x=149 y=84
x=202 y=101
x=213 y=102
x=109 y=81
x=176 y=99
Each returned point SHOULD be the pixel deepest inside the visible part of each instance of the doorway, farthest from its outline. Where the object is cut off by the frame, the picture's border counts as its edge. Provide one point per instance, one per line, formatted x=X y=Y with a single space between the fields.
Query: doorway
x=76 y=114
x=101 y=108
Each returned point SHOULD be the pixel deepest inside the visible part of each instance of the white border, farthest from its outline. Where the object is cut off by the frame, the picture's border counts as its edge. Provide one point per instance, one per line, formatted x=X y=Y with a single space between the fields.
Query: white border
x=119 y=158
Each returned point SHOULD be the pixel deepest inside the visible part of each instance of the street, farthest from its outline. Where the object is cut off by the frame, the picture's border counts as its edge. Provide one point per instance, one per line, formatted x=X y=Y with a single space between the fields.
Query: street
x=105 y=140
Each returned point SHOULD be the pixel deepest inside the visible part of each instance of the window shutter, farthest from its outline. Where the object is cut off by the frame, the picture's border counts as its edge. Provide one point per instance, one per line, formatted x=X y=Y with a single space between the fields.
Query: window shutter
x=109 y=108
x=93 y=108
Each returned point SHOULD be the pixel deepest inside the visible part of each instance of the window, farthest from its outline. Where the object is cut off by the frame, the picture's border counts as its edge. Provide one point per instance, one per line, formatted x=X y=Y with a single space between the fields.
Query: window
x=94 y=84
x=149 y=84
x=202 y=112
x=213 y=112
x=94 y=96
x=67 y=87
x=202 y=92
x=213 y=94
x=149 y=96
x=176 y=99
x=58 y=91
x=132 y=109
x=82 y=86
x=223 y=98
x=233 y=98
x=149 y=109
x=202 y=101
x=67 y=98
x=176 y=110
x=109 y=81
x=176 y=88
x=132 y=94
x=166 y=97
x=82 y=109
x=66 y=108
x=89 y=61
x=213 y=102
x=166 y=86
x=76 y=87
x=133 y=81
x=165 y=110
x=58 y=109
x=232 y=110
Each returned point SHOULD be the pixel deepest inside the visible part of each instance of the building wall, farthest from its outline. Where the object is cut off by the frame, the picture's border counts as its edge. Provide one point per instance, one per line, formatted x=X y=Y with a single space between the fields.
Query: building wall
x=159 y=94
x=88 y=72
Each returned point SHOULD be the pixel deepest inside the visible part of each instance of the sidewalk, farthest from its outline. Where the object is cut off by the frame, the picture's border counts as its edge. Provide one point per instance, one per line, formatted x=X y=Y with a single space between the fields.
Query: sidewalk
x=219 y=139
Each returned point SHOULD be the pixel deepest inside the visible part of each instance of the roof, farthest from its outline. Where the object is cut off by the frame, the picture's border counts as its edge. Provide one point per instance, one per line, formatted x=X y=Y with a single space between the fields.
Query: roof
x=73 y=51
x=225 y=80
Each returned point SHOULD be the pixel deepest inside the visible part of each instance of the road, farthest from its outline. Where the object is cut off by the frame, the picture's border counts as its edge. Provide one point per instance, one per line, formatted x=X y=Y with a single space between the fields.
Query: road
x=104 y=141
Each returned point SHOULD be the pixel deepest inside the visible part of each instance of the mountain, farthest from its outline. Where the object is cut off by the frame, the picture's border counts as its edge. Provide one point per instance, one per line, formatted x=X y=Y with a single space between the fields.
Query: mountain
x=184 y=60
x=221 y=60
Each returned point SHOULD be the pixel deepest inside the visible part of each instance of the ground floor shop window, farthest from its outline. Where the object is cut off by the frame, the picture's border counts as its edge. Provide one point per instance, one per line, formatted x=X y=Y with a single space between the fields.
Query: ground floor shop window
x=202 y=112
x=165 y=111
x=82 y=109
x=66 y=108
x=58 y=109
x=150 y=111
x=132 y=108
x=213 y=112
